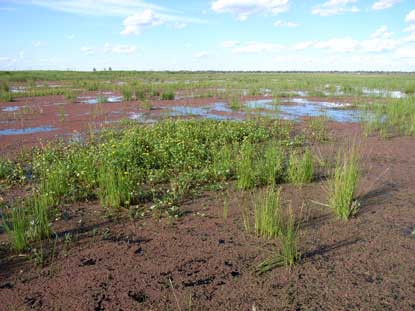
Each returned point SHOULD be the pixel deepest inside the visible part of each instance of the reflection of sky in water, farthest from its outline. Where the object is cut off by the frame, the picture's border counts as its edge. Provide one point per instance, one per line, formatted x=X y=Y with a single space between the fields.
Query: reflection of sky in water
x=29 y=130
x=305 y=108
x=204 y=112
x=11 y=109
x=110 y=99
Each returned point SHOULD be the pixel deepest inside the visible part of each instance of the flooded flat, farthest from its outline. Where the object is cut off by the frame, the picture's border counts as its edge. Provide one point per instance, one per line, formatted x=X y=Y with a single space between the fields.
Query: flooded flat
x=29 y=130
x=215 y=111
x=11 y=109
x=99 y=100
x=296 y=108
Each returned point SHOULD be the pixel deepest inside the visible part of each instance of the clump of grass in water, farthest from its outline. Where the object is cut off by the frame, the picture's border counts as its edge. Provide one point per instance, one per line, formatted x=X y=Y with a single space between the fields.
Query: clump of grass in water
x=396 y=117
x=147 y=105
x=289 y=254
x=342 y=187
x=267 y=213
x=102 y=100
x=300 y=168
x=235 y=104
x=168 y=95
x=127 y=93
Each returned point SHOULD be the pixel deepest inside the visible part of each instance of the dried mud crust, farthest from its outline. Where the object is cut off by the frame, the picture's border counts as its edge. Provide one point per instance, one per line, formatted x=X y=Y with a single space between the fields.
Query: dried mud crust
x=202 y=262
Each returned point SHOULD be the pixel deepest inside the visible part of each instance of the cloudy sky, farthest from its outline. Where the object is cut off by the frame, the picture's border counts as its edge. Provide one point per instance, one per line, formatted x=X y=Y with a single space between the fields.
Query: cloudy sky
x=208 y=34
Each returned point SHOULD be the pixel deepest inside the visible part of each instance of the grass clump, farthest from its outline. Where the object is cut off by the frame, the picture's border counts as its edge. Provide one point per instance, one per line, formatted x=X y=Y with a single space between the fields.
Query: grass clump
x=30 y=221
x=317 y=129
x=115 y=189
x=270 y=167
x=267 y=213
x=72 y=96
x=342 y=187
x=301 y=168
x=6 y=96
x=235 y=104
x=168 y=95
x=395 y=117
x=245 y=168
x=127 y=93
x=15 y=223
x=288 y=254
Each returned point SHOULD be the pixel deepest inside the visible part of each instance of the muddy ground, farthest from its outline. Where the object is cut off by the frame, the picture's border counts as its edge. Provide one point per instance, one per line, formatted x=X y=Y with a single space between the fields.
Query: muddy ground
x=202 y=261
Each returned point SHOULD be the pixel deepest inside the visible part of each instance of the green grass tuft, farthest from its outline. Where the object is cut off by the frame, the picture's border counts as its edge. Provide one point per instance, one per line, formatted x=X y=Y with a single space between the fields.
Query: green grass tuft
x=342 y=187
x=267 y=213
x=301 y=168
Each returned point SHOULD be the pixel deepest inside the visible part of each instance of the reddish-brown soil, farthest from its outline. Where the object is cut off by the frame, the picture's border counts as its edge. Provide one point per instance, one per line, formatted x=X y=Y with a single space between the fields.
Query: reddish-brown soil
x=203 y=262
x=70 y=119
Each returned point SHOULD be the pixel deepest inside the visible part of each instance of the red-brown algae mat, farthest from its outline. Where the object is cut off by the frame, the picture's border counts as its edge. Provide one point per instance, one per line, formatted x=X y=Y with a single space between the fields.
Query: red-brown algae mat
x=204 y=261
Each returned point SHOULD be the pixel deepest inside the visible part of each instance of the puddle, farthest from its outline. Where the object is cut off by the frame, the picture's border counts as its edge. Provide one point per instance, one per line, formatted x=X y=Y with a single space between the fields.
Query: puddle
x=29 y=130
x=11 y=109
x=305 y=108
x=96 y=100
x=141 y=118
x=204 y=112
x=262 y=104
x=18 y=89
x=383 y=93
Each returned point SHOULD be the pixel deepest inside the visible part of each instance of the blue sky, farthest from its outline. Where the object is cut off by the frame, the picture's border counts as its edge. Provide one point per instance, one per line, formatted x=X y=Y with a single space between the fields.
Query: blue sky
x=208 y=34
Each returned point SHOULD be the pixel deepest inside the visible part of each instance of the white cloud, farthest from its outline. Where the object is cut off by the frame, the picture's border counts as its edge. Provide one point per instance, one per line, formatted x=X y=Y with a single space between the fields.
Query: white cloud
x=37 y=44
x=410 y=18
x=138 y=14
x=136 y=23
x=120 y=49
x=5 y=59
x=405 y=52
x=230 y=44
x=179 y=25
x=338 y=45
x=257 y=47
x=303 y=45
x=245 y=8
x=201 y=54
x=285 y=24
x=101 y=7
x=335 y=7
x=70 y=37
x=379 y=45
x=382 y=32
x=384 y=4
x=410 y=28
x=88 y=50
x=21 y=55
